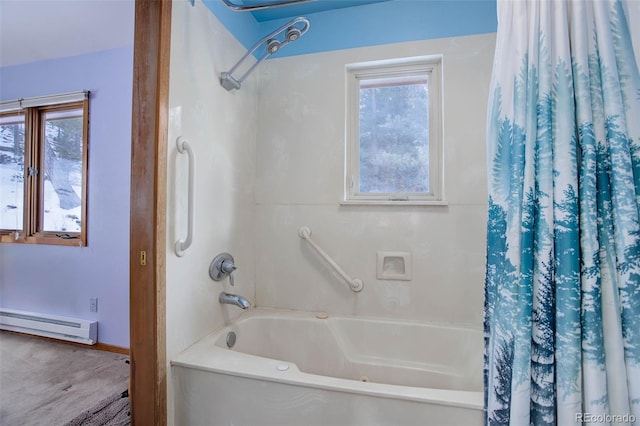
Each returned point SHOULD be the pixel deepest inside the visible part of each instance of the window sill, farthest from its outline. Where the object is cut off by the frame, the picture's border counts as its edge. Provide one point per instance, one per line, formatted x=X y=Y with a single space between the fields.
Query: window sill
x=42 y=240
x=442 y=203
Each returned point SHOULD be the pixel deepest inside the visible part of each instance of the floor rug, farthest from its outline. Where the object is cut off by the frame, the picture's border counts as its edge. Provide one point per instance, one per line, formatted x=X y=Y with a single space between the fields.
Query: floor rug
x=49 y=383
x=112 y=411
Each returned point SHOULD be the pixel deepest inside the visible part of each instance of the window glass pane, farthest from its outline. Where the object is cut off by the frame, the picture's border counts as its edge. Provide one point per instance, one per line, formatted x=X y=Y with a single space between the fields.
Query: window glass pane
x=394 y=135
x=62 y=167
x=11 y=172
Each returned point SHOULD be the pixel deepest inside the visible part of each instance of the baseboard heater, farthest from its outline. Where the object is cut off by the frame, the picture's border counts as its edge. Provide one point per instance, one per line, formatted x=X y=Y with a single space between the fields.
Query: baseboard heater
x=56 y=327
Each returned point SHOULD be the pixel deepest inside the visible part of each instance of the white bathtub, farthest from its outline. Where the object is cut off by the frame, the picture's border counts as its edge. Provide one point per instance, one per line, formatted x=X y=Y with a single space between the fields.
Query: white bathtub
x=292 y=368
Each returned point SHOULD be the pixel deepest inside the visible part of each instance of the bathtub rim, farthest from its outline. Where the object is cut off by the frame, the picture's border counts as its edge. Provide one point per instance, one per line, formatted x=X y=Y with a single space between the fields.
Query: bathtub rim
x=206 y=355
x=295 y=313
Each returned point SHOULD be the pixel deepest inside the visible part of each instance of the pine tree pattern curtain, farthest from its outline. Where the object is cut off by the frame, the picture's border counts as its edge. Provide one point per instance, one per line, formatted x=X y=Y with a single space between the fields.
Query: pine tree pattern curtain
x=562 y=286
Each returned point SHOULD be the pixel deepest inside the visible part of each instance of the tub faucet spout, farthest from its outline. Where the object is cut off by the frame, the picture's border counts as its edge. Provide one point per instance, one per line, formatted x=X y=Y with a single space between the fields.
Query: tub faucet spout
x=232 y=299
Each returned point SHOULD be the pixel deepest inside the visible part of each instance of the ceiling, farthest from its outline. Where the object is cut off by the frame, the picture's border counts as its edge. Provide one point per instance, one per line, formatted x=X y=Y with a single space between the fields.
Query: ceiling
x=35 y=30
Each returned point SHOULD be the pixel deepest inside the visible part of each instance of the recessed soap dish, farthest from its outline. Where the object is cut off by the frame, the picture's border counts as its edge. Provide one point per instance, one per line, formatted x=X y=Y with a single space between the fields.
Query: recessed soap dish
x=394 y=265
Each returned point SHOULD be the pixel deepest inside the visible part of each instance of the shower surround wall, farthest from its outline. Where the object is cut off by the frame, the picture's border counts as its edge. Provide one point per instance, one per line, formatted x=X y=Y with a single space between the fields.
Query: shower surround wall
x=269 y=158
x=300 y=181
x=220 y=126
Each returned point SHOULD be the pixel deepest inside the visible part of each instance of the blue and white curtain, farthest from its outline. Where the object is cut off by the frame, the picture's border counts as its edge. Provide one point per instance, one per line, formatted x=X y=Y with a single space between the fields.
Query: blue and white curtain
x=562 y=290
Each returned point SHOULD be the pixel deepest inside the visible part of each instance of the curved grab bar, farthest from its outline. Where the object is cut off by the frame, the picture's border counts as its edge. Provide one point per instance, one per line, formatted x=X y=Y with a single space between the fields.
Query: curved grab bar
x=355 y=284
x=182 y=246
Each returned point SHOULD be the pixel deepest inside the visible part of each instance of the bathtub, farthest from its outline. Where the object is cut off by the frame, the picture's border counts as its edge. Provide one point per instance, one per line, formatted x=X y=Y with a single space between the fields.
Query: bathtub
x=303 y=369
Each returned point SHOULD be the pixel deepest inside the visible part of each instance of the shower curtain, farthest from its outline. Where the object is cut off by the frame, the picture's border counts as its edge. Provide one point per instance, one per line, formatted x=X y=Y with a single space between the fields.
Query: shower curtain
x=562 y=292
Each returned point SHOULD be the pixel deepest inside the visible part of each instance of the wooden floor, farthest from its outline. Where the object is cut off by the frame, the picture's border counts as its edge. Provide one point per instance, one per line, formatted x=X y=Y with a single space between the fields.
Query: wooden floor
x=44 y=382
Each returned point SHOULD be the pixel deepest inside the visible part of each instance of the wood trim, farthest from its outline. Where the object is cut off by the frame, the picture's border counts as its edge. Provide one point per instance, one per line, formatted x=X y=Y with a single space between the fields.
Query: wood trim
x=34 y=119
x=31 y=158
x=148 y=212
x=111 y=348
x=86 y=142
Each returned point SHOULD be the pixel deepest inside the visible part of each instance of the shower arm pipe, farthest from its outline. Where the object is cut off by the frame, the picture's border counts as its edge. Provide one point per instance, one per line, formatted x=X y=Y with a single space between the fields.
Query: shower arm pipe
x=355 y=284
x=182 y=245
x=249 y=8
x=235 y=83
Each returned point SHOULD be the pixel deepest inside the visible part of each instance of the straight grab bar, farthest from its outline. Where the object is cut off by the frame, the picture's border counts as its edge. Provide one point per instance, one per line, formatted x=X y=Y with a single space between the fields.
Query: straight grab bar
x=182 y=246
x=355 y=284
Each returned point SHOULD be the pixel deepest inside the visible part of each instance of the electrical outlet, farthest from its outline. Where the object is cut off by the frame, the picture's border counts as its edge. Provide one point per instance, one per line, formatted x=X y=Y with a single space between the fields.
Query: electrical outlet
x=93 y=304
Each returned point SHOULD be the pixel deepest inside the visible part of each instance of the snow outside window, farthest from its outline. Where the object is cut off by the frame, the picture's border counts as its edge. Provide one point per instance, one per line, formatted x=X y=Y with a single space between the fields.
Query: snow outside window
x=43 y=174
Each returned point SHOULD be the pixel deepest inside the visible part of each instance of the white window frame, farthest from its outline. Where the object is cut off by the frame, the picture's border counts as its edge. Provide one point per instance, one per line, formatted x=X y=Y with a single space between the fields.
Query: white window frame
x=421 y=66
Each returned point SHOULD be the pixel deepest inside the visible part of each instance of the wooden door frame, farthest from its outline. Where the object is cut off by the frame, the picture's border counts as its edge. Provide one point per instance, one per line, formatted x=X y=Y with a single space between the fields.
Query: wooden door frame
x=152 y=37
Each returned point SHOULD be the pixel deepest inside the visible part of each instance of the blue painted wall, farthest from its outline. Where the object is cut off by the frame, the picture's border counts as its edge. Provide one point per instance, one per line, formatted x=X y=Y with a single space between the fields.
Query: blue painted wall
x=241 y=24
x=391 y=21
x=61 y=280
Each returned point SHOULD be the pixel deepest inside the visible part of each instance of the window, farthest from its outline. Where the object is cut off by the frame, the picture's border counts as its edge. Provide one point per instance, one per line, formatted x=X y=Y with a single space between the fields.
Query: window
x=43 y=170
x=394 y=140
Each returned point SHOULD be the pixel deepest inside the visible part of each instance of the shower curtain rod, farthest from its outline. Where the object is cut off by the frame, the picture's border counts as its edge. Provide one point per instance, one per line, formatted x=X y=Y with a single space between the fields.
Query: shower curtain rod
x=268 y=5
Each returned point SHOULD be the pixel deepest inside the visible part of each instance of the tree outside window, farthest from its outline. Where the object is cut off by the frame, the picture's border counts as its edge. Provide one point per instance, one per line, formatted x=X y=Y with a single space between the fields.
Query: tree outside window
x=394 y=140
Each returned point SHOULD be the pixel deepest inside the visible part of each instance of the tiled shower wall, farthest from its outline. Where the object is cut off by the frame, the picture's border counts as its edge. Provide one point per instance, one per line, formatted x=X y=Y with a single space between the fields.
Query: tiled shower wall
x=220 y=127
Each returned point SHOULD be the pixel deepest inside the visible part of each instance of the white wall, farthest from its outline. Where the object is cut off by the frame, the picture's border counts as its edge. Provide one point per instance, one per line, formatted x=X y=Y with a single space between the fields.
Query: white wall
x=299 y=181
x=220 y=127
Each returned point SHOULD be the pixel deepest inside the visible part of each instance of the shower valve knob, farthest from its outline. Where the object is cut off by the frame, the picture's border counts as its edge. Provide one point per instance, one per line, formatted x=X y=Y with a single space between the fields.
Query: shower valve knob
x=222 y=266
x=227 y=266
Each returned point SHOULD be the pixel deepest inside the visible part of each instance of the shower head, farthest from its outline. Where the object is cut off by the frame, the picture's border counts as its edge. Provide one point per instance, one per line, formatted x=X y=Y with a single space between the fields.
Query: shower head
x=292 y=30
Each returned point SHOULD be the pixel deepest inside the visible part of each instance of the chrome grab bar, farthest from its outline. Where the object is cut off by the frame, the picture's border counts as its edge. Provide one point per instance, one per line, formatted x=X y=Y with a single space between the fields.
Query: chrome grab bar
x=183 y=245
x=355 y=284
